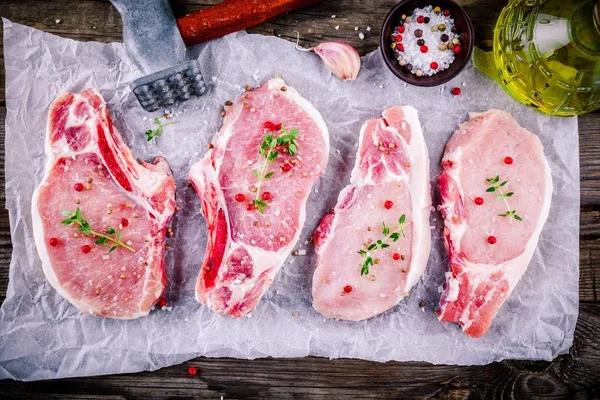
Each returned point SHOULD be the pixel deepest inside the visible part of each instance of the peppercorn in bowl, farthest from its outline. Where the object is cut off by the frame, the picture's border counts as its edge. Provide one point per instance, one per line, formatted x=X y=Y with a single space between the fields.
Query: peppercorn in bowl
x=426 y=43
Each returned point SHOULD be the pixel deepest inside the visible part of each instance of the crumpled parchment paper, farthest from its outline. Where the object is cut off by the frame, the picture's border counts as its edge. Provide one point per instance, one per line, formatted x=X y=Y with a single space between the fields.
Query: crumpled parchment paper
x=42 y=336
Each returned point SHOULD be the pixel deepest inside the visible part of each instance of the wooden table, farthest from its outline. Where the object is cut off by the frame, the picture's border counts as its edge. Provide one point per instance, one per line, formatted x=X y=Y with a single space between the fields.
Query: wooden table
x=576 y=375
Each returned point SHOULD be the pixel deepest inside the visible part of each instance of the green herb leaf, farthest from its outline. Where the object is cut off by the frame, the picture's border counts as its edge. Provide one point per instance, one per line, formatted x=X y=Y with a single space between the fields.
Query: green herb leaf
x=503 y=196
x=99 y=238
x=260 y=205
x=152 y=133
x=269 y=175
x=292 y=149
x=388 y=232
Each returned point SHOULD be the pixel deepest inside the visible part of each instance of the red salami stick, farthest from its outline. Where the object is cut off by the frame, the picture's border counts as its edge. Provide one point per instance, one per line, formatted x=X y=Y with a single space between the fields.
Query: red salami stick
x=231 y=16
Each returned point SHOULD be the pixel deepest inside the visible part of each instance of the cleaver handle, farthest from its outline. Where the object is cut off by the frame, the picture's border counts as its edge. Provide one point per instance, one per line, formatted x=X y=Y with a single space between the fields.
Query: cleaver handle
x=231 y=16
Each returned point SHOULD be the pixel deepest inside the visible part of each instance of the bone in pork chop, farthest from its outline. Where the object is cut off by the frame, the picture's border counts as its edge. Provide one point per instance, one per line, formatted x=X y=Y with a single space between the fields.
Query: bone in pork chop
x=375 y=244
x=253 y=185
x=496 y=189
x=99 y=216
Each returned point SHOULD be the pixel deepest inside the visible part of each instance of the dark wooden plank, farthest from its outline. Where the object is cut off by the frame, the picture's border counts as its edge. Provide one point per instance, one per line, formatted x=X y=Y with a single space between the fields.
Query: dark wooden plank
x=574 y=375
x=99 y=21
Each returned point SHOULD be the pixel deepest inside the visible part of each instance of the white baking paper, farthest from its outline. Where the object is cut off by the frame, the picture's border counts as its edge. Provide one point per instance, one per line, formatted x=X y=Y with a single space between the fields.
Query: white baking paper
x=42 y=336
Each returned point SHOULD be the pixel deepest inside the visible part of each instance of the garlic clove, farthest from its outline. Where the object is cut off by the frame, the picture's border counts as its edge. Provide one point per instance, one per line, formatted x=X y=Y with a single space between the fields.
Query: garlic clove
x=340 y=58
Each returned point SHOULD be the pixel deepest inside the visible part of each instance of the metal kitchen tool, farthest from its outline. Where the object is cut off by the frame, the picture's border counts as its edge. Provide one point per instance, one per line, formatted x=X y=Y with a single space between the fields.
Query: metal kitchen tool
x=153 y=41
x=156 y=42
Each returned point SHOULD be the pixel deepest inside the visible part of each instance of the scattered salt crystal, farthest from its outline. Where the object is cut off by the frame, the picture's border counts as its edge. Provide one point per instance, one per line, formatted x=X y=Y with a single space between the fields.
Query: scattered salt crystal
x=368 y=29
x=105 y=257
x=214 y=78
x=356 y=28
x=361 y=36
x=57 y=21
x=302 y=252
x=337 y=27
x=256 y=74
x=333 y=16
x=381 y=86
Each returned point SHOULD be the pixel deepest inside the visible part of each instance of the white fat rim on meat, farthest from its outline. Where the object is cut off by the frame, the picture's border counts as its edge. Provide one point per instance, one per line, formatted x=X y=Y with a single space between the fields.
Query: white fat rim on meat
x=420 y=194
x=202 y=172
x=63 y=150
x=420 y=197
x=482 y=272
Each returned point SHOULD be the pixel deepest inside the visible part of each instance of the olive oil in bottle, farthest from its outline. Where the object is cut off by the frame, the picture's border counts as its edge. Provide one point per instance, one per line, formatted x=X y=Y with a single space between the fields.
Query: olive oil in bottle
x=547 y=53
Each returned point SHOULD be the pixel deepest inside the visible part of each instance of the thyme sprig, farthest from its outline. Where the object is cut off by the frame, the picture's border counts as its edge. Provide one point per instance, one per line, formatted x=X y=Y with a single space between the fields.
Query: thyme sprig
x=268 y=152
x=497 y=187
x=112 y=238
x=151 y=133
x=388 y=233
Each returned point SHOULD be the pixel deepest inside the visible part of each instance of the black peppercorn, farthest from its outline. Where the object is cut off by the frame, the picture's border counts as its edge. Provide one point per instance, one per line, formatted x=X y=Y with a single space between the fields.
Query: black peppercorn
x=418 y=33
x=426 y=20
x=420 y=42
x=409 y=67
x=444 y=38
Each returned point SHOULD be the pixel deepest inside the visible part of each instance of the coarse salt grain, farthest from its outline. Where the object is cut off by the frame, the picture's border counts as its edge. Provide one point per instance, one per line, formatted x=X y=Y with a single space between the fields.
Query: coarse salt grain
x=361 y=36
x=421 y=57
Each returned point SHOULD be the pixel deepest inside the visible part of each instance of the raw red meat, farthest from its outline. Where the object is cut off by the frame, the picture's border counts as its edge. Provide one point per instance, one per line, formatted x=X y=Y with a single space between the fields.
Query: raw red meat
x=90 y=168
x=488 y=252
x=246 y=248
x=390 y=179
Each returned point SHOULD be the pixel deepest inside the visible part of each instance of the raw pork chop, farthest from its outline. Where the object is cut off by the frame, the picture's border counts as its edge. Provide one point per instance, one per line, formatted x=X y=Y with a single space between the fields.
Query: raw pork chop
x=390 y=180
x=90 y=168
x=247 y=247
x=490 y=234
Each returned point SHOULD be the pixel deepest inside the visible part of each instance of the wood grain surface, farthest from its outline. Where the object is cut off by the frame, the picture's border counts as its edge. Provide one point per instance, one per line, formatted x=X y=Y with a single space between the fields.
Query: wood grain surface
x=572 y=376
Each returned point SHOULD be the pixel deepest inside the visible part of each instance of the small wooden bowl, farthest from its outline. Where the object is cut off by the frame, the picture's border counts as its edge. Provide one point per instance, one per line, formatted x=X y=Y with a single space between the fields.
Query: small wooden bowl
x=461 y=19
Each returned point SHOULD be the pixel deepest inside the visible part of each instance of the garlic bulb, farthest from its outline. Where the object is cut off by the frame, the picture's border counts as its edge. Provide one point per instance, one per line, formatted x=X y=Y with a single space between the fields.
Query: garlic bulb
x=339 y=57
